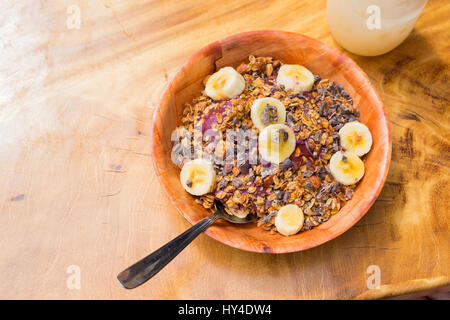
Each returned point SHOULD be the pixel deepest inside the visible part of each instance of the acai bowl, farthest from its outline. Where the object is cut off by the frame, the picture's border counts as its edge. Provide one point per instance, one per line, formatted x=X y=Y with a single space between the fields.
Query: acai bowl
x=301 y=190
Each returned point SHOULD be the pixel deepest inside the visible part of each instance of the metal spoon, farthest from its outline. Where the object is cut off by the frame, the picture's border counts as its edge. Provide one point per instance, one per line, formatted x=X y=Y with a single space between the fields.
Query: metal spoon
x=146 y=268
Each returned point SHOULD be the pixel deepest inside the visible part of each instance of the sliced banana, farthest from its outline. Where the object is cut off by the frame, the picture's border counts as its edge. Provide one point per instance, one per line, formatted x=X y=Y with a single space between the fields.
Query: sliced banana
x=356 y=137
x=346 y=167
x=225 y=84
x=295 y=77
x=267 y=111
x=236 y=212
x=198 y=177
x=276 y=143
x=289 y=220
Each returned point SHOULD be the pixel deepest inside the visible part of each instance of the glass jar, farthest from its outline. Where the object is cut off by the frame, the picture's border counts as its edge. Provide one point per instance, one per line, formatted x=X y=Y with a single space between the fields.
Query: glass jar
x=372 y=27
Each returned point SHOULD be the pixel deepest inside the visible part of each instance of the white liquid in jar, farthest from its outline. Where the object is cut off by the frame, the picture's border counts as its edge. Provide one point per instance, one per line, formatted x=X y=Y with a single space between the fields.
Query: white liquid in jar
x=347 y=20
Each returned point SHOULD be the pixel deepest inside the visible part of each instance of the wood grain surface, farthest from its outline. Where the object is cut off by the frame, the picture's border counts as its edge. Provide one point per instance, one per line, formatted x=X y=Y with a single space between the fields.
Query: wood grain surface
x=79 y=189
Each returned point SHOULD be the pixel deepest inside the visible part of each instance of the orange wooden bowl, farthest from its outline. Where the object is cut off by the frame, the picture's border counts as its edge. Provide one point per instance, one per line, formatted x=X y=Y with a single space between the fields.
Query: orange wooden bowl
x=289 y=48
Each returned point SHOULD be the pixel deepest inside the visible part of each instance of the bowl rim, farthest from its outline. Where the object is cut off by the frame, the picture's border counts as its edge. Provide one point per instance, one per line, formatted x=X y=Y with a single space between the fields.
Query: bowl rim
x=219 y=235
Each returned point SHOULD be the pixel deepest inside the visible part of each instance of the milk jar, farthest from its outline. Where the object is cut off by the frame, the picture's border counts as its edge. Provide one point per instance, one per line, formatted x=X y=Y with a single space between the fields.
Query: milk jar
x=372 y=27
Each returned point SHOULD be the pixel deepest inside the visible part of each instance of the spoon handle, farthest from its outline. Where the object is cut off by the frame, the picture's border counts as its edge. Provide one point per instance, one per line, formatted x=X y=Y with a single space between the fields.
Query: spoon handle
x=146 y=268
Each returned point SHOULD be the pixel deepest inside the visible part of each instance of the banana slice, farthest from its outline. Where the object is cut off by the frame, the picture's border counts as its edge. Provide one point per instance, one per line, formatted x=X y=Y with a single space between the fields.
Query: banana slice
x=346 y=167
x=198 y=177
x=236 y=212
x=289 y=220
x=224 y=84
x=295 y=77
x=267 y=111
x=276 y=143
x=356 y=137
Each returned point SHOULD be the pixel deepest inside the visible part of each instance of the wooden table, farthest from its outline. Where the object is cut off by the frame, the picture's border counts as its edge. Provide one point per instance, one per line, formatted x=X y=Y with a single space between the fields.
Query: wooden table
x=79 y=193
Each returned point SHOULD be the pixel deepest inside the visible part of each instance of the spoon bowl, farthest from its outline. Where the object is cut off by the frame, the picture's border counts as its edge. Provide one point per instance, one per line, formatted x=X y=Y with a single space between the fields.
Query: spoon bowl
x=220 y=210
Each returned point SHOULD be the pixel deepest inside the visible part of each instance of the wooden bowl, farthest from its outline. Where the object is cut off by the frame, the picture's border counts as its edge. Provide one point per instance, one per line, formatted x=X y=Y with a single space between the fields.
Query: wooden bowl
x=289 y=48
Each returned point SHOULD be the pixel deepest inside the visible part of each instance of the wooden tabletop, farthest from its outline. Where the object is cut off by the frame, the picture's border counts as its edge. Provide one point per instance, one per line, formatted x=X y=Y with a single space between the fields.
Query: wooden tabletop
x=80 y=200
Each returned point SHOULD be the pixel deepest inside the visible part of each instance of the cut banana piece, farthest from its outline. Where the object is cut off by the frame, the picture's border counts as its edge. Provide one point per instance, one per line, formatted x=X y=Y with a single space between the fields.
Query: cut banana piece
x=289 y=220
x=276 y=143
x=236 y=212
x=295 y=77
x=267 y=111
x=346 y=167
x=356 y=137
x=198 y=177
x=225 y=84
